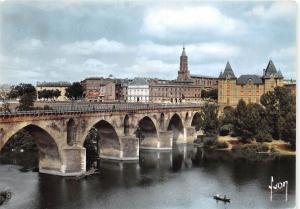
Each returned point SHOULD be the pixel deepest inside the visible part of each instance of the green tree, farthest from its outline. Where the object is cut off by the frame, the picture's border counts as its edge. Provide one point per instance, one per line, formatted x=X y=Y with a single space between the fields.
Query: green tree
x=280 y=111
x=48 y=94
x=209 y=122
x=75 y=91
x=26 y=93
x=56 y=93
x=249 y=120
x=21 y=140
x=211 y=94
x=91 y=144
x=280 y=106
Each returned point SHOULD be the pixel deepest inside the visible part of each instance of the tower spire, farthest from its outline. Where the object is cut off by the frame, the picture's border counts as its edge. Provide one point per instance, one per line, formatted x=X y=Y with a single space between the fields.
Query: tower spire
x=183 y=73
x=183 y=51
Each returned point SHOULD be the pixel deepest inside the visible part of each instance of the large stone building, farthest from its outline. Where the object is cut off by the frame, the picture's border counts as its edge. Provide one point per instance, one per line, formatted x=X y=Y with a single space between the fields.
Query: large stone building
x=291 y=84
x=61 y=86
x=138 y=90
x=185 y=88
x=99 y=89
x=247 y=87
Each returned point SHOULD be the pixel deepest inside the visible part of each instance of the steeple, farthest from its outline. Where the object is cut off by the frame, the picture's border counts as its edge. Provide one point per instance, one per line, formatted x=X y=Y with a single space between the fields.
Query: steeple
x=183 y=73
x=183 y=52
x=271 y=71
x=228 y=72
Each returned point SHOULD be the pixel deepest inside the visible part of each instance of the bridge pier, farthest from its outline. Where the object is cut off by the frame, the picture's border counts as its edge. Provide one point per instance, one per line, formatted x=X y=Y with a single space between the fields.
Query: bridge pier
x=188 y=135
x=162 y=142
x=128 y=150
x=73 y=162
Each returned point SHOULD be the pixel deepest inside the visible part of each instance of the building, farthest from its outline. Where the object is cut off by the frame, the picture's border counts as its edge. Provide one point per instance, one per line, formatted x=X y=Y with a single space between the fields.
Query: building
x=99 y=89
x=61 y=86
x=291 y=84
x=4 y=90
x=247 y=87
x=185 y=88
x=138 y=90
x=206 y=82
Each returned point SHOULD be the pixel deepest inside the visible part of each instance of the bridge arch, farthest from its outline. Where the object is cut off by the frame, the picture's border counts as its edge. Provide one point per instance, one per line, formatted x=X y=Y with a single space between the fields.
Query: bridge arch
x=149 y=132
x=176 y=126
x=196 y=121
x=109 y=142
x=49 y=156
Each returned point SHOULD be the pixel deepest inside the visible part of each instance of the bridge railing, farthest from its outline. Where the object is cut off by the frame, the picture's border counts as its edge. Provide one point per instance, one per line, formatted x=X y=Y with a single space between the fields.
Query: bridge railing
x=99 y=108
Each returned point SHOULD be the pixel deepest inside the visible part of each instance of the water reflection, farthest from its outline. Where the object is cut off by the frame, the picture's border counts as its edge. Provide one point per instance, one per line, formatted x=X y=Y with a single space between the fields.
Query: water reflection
x=185 y=177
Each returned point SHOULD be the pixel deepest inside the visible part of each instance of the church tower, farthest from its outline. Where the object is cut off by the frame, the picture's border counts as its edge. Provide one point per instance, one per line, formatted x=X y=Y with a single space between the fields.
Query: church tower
x=183 y=73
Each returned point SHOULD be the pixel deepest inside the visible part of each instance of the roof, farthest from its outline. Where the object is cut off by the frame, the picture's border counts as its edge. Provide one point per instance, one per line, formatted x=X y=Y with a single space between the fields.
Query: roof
x=244 y=79
x=138 y=81
x=228 y=72
x=271 y=71
x=203 y=76
x=53 y=84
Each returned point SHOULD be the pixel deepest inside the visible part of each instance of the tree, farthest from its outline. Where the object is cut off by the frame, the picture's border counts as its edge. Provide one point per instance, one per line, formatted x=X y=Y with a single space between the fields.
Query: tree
x=75 y=91
x=26 y=93
x=48 y=94
x=228 y=116
x=209 y=122
x=211 y=94
x=91 y=144
x=57 y=93
x=280 y=107
x=249 y=120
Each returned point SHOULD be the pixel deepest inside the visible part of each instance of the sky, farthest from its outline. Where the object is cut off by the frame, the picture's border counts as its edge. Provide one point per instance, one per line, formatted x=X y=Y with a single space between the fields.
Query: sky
x=72 y=40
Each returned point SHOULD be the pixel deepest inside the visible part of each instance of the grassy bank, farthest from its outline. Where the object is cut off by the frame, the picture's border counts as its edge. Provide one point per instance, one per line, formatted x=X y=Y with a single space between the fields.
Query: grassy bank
x=276 y=146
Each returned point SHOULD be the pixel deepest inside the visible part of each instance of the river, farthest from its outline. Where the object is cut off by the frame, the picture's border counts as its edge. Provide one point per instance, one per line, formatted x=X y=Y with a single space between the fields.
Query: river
x=183 y=178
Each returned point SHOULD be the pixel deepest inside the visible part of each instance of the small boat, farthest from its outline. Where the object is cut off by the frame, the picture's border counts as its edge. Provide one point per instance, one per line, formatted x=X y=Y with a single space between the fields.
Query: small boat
x=224 y=199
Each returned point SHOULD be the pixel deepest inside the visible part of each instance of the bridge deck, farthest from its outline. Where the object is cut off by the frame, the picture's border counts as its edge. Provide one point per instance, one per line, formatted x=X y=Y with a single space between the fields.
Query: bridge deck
x=98 y=108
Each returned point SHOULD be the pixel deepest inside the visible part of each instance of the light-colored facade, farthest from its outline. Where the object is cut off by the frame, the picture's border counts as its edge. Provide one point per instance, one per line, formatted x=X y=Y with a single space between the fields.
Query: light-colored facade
x=4 y=90
x=61 y=86
x=246 y=87
x=138 y=90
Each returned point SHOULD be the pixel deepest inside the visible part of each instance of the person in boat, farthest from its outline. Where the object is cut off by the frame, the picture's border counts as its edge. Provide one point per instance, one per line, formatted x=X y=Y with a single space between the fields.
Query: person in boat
x=225 y=197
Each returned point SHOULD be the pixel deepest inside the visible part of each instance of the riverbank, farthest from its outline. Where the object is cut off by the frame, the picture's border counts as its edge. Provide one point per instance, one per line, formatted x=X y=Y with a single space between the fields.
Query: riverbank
x=279 y=147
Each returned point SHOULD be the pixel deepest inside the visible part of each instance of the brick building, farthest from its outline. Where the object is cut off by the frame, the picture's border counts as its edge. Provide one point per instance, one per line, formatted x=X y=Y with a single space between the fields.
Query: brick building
x=99 y=89
x=247 y=87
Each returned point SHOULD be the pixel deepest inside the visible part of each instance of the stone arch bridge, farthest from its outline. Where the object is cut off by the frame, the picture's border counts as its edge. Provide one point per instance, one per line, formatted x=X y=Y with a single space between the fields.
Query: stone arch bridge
x=60 y=134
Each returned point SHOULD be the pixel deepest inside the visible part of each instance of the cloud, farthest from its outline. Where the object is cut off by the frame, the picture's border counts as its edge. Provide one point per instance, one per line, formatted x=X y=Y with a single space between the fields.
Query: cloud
x=90 y=47
x=162 y=22
x=279 y=9
x=203 y=50
x=30 y=45
x=284 y=54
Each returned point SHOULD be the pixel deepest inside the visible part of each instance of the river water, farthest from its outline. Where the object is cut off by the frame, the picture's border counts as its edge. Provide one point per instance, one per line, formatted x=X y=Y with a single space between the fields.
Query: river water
x=186 y=177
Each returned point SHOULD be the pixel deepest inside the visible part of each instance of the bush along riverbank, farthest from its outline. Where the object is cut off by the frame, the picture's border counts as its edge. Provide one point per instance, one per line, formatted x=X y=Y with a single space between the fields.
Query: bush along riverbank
x=245 y=149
